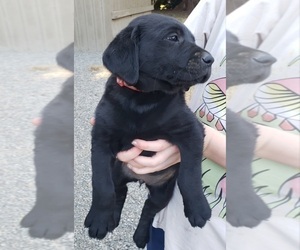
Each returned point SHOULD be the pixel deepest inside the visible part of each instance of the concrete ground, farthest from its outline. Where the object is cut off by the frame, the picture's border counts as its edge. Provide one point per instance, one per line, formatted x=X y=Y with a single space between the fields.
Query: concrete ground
x=90 y=79
x=28 y=82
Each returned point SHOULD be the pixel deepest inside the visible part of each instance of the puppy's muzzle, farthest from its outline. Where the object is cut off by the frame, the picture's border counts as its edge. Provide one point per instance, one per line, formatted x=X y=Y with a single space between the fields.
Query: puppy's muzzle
x=199 y=65
x=200 y=60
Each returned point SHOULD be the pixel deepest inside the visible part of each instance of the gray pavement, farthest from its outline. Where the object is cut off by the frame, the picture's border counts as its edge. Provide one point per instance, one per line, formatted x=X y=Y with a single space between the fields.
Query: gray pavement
x=28 y=81
x=90 y=79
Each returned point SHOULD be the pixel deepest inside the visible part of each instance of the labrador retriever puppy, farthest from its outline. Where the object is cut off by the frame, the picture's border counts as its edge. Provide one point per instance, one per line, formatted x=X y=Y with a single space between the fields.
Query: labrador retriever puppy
x=153 y=61
x=244 y=206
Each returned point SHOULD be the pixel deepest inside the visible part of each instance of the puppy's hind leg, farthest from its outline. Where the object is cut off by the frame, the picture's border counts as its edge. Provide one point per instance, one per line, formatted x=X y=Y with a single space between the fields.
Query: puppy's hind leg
x=158 y=199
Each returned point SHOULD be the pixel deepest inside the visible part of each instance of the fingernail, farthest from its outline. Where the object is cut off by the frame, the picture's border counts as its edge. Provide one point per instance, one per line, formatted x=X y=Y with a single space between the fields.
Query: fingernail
x=134 y=143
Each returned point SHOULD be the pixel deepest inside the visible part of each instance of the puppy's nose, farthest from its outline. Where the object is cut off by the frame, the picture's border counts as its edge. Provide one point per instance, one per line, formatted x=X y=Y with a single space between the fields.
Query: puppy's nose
x=207 y=58
x=264 y=58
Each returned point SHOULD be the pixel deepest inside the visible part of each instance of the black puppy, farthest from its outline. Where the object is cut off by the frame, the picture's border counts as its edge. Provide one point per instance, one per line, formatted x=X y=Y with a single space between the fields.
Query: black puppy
x=244 y=206
x=53 y=214
x=153 y=61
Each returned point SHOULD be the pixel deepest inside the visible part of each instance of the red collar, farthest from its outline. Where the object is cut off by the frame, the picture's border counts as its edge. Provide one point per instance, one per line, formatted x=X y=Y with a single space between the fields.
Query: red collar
x=122 y=84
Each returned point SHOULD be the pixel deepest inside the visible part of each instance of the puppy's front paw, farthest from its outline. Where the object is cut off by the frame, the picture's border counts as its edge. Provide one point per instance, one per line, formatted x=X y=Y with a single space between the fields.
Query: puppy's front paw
x=99 y=223
x=247 y=211
x=198 y=213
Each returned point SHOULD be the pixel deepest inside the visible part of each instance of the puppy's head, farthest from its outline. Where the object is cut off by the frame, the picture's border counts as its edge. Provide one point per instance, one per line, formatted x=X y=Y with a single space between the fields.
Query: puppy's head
x=244 y=64
x=156 y=52
x=65 y=58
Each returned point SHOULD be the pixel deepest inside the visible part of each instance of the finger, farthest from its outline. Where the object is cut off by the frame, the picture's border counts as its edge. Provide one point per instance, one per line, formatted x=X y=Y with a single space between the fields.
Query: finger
x=157 y=159
x=128 y=155
x=92 y=121
x=154 y=146
x=37 y=121
x=147 y=170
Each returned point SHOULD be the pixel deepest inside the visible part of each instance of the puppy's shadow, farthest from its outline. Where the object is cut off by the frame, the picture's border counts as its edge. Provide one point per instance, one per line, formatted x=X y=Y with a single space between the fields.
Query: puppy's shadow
x=244 y=206
x=53 y=213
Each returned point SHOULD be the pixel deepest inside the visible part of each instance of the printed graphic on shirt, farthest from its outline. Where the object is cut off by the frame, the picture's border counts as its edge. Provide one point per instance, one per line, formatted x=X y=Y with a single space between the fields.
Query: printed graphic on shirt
x=212 y=112
x=277 y=104
x=213 y=109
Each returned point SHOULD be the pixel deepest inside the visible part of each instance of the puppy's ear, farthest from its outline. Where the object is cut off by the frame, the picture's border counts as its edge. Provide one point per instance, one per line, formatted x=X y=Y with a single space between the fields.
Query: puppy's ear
x=121 y=56
x=65 y=58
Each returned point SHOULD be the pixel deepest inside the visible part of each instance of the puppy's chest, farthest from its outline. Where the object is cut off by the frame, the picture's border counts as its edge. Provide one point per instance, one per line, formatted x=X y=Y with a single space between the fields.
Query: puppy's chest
x=147 y=116
x=144 y=127
x=143 y=118
x=147 y=127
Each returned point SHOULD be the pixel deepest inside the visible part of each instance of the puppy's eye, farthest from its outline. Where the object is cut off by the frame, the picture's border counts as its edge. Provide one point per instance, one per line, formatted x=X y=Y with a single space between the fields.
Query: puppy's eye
x=173 y=38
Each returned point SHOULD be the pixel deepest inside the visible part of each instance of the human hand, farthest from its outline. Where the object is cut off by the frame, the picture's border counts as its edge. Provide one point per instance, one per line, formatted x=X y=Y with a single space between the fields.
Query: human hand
x=166 y=155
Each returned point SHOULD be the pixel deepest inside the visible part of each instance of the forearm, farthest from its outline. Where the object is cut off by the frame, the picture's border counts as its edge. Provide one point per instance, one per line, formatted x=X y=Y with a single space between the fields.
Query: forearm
x=272 y=144
x=215 y=146
x=278 y=145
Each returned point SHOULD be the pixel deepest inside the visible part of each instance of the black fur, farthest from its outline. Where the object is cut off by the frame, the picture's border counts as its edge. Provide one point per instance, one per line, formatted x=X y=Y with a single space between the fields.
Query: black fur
x=158 y=56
